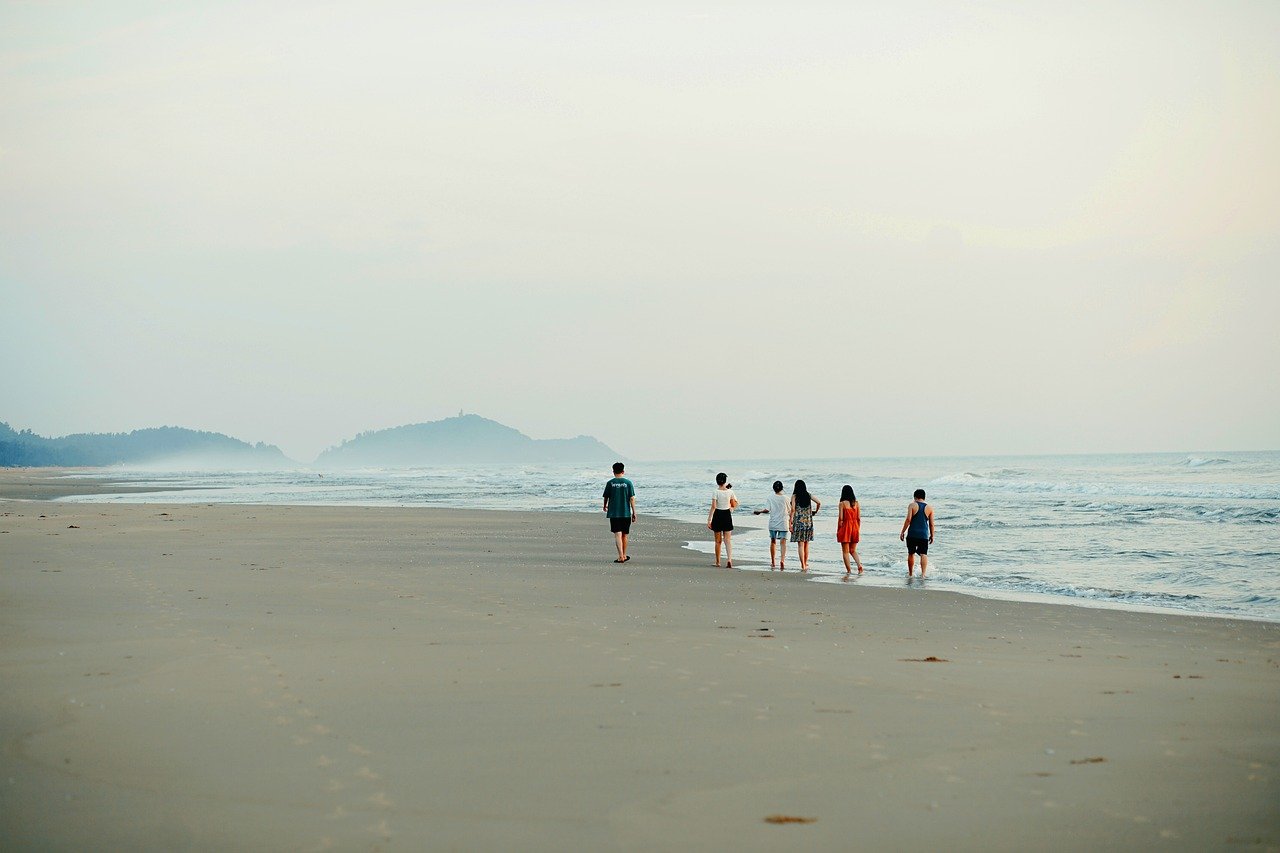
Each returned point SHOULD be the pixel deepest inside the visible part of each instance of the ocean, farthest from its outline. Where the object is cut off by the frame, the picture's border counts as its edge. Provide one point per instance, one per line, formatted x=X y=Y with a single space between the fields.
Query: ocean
x=1188 y=533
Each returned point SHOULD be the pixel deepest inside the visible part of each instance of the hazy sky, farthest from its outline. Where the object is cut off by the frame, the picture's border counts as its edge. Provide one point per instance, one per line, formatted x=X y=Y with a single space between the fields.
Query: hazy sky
x=691 y=230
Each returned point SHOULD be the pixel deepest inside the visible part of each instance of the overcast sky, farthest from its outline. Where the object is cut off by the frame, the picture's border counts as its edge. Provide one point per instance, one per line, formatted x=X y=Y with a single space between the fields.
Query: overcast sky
x=691 y=230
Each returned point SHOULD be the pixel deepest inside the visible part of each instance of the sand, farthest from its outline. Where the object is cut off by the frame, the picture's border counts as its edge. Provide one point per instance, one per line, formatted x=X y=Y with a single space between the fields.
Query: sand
x=309 y=678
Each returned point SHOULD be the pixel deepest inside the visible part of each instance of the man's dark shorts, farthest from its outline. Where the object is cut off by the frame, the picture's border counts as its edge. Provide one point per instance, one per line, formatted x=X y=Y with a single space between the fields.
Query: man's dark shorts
x=620 y=525
x=917 y=546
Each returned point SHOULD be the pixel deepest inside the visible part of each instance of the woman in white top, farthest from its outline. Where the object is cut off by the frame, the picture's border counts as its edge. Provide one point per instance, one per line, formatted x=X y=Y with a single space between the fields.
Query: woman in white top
x=720 y=518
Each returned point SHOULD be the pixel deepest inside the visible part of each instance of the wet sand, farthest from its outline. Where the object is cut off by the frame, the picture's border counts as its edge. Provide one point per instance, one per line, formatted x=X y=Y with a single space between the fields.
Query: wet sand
x=297 y=678
x=53 y=483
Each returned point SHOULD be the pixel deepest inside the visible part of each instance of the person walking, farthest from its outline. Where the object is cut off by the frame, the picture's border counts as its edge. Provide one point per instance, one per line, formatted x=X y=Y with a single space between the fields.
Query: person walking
x=917 y=531
x=720 y=517
x=620 y=508
x=849 y=528
x=779 y=524
x=802 y=507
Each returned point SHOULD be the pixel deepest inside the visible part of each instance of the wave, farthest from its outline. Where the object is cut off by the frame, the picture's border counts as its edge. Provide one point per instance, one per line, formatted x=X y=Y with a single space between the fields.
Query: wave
x=1112 y=514
x=1199 y=462
x=995 y=474
x=1238 y=514
x=962 y=477
x=980 y=524
x=1094 y=592
x=1207 y=491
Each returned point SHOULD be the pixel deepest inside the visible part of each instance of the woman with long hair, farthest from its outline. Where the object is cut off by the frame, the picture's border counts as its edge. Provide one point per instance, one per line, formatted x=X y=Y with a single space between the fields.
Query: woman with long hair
x=720 y=518
x=849 y=528
x=803 y=507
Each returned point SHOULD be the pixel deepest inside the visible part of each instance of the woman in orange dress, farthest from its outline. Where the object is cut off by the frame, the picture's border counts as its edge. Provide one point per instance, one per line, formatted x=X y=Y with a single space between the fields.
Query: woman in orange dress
x=848 y=528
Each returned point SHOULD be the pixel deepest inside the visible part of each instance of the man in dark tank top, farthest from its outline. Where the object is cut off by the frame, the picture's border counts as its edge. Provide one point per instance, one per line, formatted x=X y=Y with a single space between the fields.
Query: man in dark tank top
x=917 y=532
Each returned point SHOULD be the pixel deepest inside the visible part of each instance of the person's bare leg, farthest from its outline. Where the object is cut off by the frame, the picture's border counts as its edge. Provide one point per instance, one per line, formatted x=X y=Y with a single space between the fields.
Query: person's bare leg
x=718 y=535
x=782 y=563
x=853 y=550
x=624 y=547
x=617 y=543
x=924 y=564
x=911 y=564
x=728 y=547
x=804 y=555
x=773 y=551
x=844 y=554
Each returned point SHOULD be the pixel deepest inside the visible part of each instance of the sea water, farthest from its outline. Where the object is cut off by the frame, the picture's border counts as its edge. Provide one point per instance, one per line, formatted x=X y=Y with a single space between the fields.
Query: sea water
x=1197 y=533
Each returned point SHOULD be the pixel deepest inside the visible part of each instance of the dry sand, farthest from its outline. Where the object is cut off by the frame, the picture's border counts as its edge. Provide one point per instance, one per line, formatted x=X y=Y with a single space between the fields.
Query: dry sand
x=307 y=678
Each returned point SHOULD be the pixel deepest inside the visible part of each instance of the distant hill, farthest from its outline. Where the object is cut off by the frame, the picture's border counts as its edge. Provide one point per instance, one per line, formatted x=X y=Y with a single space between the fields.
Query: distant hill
x=461 y=440
x=172 y=447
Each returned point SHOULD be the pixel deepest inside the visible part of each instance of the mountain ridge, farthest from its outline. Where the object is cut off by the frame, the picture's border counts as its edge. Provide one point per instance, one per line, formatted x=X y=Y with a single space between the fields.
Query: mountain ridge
x=459 y=440
x=463 y=439
x=168 y=445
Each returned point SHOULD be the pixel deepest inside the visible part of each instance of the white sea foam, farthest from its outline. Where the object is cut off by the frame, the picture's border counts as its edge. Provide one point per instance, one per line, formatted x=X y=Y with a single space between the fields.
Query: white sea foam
x=1199 y=462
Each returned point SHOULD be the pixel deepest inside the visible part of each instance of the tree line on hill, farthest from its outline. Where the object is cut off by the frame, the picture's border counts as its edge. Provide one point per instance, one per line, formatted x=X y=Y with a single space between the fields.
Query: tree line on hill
x=462 y=440
x=26 y=449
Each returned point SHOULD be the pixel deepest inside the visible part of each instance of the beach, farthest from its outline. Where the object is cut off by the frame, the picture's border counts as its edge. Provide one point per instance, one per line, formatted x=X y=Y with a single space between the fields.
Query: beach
x=373 y=678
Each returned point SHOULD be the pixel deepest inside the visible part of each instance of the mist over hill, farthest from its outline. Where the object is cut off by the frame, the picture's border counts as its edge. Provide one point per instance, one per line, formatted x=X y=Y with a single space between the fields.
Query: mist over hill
x=461 y=440
x=168 y=447
x=465 y=439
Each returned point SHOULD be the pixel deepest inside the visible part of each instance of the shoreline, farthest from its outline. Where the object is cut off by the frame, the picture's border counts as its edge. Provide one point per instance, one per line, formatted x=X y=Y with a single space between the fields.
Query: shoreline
x=53 y=484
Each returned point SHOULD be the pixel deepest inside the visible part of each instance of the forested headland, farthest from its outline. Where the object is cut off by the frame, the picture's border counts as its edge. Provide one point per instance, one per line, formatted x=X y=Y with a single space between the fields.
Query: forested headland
x=156 y=445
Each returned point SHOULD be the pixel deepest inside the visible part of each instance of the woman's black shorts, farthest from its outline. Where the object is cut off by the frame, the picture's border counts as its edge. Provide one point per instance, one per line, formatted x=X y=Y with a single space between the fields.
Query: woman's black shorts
x=620 y=525
x=722 y=521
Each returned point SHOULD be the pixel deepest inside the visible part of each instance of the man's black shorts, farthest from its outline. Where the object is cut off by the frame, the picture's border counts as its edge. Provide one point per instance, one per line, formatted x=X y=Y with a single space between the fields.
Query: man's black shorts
x=620 y=525
x=917 y=546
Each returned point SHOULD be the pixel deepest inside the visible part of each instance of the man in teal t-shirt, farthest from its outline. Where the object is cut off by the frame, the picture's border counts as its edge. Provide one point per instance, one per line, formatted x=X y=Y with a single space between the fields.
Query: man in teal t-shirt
x=620 y=507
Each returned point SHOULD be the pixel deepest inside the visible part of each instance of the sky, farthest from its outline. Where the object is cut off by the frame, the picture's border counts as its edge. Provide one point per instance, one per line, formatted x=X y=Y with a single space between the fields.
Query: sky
x=694 y=231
